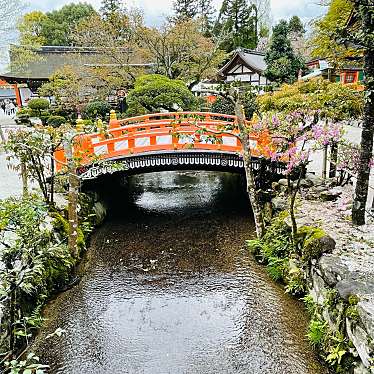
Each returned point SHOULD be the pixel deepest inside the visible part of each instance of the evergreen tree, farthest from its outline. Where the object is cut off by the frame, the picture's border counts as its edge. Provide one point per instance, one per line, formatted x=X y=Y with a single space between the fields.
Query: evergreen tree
x=109 y=8
x=238 y=20
x=185 y=10
x=282 y=63
x=206 y=13
x=295 y=26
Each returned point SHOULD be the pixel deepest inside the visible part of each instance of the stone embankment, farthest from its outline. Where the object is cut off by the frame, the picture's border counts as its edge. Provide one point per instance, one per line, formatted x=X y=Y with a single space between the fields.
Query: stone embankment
x=341 y=283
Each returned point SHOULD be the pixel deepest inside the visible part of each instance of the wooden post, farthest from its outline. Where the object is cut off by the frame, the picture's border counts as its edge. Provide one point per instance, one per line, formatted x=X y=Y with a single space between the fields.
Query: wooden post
x=72 y=196
x=18 y=95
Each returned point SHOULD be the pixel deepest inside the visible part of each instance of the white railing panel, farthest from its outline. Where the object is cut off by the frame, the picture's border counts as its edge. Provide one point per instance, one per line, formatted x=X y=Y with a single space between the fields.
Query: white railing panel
x=164 y=139
x=142 y=142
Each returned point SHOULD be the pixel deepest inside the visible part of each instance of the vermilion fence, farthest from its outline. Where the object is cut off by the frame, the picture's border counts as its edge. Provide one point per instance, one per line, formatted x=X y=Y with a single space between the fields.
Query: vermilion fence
x=161 y=132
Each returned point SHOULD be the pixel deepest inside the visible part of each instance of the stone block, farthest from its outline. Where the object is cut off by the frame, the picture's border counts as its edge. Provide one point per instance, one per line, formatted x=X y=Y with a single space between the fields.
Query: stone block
x=359 y=338
x=366 y=312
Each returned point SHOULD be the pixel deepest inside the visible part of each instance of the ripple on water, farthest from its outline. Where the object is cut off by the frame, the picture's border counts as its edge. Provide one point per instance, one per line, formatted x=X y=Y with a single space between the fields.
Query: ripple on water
x=170 y=289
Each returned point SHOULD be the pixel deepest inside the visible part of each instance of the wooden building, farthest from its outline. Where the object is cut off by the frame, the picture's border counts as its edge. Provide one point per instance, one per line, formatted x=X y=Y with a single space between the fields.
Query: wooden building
x=46 y=60
x=245 y=66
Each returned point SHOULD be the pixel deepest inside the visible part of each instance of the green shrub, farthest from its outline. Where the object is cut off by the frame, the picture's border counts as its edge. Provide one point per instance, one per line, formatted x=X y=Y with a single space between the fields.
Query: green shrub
x=97 y=109
x=277 y=268
x=309 y=304
x=23 y=116
x=317 y=332
x=56 y=121
x=38 y=104
x=223 y=105
x=296 y=284
x=154 y=92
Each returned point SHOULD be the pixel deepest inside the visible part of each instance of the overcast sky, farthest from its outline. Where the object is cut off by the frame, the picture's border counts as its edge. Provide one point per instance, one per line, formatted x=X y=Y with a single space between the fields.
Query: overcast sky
x=155 y=9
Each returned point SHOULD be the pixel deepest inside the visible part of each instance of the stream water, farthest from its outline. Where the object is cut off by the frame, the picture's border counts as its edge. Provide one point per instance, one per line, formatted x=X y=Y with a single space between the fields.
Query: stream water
x=169 y=287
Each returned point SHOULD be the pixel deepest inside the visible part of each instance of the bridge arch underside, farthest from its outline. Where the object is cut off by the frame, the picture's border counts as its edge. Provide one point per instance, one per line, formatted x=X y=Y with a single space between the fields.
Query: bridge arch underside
x=178 y=160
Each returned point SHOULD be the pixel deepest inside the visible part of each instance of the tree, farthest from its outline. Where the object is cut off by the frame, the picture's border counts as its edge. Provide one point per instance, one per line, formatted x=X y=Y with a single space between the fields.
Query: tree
x=362 y=37
x=34 y=149
x=324 y=41
x=241 y=129
x=53 y=28
x=109 y=8
x=30 y=28
x=263 y=14
x=226 y=106
x=291 y=135
x=333 y=100
x=187 y=10
x=153 y=93
x=118 y=60
x=184 y=10
x=295 y=26
x=181 y=51
x=205 y=14
x=282 y=63
x=66 y=87
x=97 y=108
x=238 y=20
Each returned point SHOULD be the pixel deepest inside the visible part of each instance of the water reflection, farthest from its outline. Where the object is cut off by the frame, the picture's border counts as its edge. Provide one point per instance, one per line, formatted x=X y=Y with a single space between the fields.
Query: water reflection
x=169 y=288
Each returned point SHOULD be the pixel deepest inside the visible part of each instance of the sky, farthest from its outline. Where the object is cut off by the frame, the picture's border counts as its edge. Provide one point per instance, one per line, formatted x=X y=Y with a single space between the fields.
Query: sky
x=156 y=9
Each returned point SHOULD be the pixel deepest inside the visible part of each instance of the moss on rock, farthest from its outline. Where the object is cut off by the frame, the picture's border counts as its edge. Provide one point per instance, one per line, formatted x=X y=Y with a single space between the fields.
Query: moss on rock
x=314 y=243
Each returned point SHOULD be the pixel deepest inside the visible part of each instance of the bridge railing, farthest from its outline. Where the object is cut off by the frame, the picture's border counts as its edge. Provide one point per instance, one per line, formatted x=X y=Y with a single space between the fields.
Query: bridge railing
x=159 y=132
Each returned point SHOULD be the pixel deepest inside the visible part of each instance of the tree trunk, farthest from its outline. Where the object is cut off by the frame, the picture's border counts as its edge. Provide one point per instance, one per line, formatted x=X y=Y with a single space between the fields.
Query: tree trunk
x=366 y=153
x=292 y=205
x=251 y=185
x=12 y=314
x=52 y=181
x=333 y=160
x=324 y=162
x=25 y=189
x=72 y=197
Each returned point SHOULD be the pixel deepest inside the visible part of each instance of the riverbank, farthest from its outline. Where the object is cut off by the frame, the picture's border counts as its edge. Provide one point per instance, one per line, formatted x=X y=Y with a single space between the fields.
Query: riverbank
x=349 y=270
x=337 y=285
x=36 y=263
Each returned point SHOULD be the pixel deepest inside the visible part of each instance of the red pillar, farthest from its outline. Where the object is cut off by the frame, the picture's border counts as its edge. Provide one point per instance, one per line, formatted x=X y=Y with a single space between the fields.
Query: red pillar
x=18 y=95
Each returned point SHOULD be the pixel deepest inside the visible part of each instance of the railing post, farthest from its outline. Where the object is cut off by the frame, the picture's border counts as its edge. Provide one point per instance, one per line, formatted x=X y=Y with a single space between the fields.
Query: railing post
x=113 y=122
x=80 y=124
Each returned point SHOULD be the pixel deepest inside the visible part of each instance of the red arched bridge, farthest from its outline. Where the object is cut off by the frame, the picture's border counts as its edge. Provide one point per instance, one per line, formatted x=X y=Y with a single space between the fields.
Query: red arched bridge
x=166 y=141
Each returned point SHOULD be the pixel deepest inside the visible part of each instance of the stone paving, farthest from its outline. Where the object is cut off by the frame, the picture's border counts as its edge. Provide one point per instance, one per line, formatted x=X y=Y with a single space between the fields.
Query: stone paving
x=10 y=181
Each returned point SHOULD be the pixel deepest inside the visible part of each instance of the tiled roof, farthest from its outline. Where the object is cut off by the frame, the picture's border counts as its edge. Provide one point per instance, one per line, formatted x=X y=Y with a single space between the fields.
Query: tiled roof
x=48 y=59
x=253 y=59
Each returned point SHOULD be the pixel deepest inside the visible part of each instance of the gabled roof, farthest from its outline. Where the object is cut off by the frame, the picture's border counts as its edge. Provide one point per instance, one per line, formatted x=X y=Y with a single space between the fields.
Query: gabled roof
x=47 y=59
x=251 y=59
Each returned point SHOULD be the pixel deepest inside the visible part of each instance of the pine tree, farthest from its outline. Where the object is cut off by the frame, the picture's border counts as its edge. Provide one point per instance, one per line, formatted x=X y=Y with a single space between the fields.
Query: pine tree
x=110 y=8
x=238 y=20
x=206 y=12
x=185 y=10
x=295 y=26
x=282 y=63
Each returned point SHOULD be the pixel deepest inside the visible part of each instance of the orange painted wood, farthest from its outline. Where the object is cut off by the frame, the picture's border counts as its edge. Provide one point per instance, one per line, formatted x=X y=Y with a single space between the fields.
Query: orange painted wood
x=157 y=133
